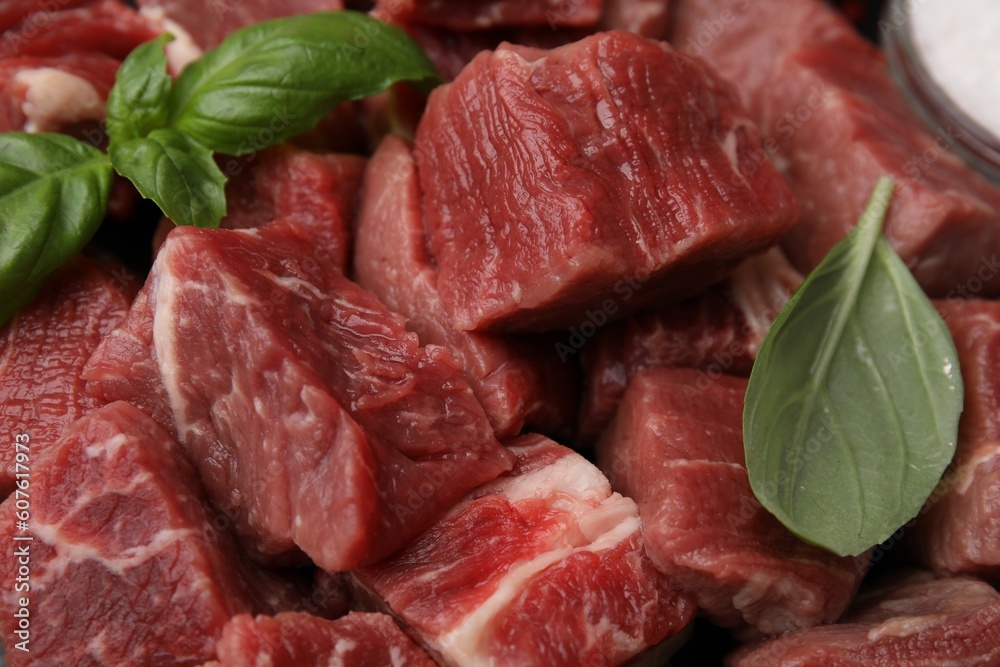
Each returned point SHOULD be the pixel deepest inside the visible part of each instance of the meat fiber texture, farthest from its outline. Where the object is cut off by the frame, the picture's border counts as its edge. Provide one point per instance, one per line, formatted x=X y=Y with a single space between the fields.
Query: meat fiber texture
x=314 y=418
x=320 y=191
x=827 y=106
x=554 y=180
x=58 y=62
x=294 y=640
x=483 y=14
x=676 y=447
x=543 y=566
x=518 y=379
x=206 y=24
x=917 y=621
x=122 y=564
x=718 y=332
x=958 y=531
x=43 y=350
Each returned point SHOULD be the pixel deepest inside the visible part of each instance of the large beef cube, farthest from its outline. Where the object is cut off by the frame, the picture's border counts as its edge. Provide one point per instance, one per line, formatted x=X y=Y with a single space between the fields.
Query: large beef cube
x=917 y=621
x=120 y=564
x=676 y=447
x=314 y=417
x=44 y=348
x=296 y=639
x=825 y=101
x=542 y=566
x=958 y=530
x=517 y=379
x=556 y=180
x=718 y=331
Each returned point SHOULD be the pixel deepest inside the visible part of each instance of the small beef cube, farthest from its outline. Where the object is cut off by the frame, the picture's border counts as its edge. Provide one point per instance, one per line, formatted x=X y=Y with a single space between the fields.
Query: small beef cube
x=676 y=447
x=518 y=379
x=832 y=118
x=917 y=621
x=313 y=417
x=718 y=332
x=44 y=348
x=556 y=181
x=542 y=566
x=295 y=640
x=482 y=14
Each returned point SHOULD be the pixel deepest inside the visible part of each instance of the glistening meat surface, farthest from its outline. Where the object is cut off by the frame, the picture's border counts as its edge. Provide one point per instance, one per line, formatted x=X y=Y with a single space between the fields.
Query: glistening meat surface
x=553 y=179
x=313 y=416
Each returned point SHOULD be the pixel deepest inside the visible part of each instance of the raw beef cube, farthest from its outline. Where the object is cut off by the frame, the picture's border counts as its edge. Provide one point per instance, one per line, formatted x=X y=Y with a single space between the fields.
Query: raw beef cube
x=296 y=640
x=482 y=14
x=518 y=380
x=314 y=418
x=676 y=447
x=555 y=180
x=44 y=348
x=206 y=24
x=824 y=99
x=649 y=18
x=958 y=531
x=58 y=62
x=542 y=566
x=122 y=563
x=918 y=621
x=718 y=331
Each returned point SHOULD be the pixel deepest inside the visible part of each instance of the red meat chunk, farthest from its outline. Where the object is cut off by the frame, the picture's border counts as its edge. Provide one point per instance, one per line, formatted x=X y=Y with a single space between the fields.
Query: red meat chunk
x=208 y=23
x=294 y=640
x=718 y=331
x=542 y=566
x=123 y=563
x=44 y=348
x=831 y=116
x=518 y=379
x=676 y=447
x=482 y=14
x=918 y=621
x=958 y=530
x=554 y=180
x=314 y=418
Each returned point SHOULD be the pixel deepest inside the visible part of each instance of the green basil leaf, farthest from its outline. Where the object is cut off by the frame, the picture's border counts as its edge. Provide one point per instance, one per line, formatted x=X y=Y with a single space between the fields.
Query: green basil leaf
x=138 y=102
x=275 y=79
x=852 y=409
x=177 y=173
x=53 y=195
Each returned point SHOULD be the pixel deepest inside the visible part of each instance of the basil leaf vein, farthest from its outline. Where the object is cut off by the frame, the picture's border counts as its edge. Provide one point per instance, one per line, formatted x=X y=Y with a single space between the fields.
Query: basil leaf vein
x=852 y=409
x=138 y=102
x=275 y=79
x=53 y=193
x=177 y=173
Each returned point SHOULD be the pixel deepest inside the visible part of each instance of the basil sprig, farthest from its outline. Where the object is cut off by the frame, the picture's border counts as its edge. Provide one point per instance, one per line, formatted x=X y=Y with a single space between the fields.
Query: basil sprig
x=262 y=85
x=853 y=404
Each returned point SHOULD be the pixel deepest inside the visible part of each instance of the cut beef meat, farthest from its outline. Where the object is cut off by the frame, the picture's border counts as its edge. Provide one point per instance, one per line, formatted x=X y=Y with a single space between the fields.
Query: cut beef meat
x=718 y=331
x=482 y=14
x=649 y=18
x=295 y=640
x=124 y=565
x=676 y=447
x=43 y=350
x=208 y=23
x=313 y=416
x=543 y=566
x=917 y=621
x=57 y=63
x=958 y=531
x=320 y=191
x=824 y=98
x=553 y=180
x=518 y=380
